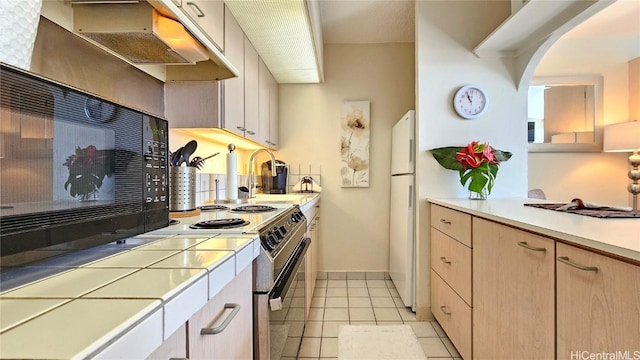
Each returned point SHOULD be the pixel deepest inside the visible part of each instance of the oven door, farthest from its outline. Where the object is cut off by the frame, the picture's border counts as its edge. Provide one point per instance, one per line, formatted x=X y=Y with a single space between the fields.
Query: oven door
x=281 y=312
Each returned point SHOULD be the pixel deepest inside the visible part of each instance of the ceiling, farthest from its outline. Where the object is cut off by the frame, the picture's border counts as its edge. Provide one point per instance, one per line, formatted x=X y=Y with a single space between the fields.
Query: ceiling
x=615 y=31
x=609 y=38
x=367 y=21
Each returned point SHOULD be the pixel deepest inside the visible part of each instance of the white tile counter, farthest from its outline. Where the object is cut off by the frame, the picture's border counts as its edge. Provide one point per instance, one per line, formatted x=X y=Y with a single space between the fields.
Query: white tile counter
x=122 y=306
x=620 y=237
x=125 y=305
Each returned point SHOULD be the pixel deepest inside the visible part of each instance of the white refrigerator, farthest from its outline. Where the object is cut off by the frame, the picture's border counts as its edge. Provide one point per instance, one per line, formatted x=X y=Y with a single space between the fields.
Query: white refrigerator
x=402 y=262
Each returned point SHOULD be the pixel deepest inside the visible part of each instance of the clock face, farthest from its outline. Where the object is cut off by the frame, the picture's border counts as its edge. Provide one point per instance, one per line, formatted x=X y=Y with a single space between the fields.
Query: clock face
x=99 y=110
x=470 y=102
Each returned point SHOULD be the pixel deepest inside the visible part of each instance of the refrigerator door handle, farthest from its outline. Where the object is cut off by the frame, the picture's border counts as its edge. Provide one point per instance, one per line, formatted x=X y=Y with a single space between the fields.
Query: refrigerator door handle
x=411 y=152
x=410 y=196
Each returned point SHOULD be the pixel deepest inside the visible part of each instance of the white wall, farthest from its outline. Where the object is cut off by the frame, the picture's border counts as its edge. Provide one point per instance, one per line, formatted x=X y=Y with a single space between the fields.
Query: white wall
x=446 y=33
x=354 y=221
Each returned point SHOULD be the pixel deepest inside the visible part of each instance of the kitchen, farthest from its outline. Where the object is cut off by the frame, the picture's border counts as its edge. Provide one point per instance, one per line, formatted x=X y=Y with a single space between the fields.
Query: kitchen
x=353 y=222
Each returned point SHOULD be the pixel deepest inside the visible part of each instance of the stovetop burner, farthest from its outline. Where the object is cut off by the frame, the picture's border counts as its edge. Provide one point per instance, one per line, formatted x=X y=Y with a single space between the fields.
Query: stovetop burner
x=253 y=208
x=213 y=207
x=220 y=224
x=174 y=222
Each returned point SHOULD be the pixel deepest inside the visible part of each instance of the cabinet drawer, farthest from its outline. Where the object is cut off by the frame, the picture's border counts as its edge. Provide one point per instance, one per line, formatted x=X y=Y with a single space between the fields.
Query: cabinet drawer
x=452 y=261
x=590 y=284
x=453 y=314
x=453 y=223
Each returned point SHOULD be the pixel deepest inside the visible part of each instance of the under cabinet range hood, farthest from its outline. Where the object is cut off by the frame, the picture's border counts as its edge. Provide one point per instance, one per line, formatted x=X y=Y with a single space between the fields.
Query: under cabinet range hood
x=137 y=32
x=142 y=34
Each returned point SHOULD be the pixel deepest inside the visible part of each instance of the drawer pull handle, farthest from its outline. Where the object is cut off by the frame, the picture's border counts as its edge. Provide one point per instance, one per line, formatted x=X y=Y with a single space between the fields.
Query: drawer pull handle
x=445 y=260
x=195 y=6
x=445 y=221
x=527 y=246
x=445 y=310
x=225 y=323
x=565 y=259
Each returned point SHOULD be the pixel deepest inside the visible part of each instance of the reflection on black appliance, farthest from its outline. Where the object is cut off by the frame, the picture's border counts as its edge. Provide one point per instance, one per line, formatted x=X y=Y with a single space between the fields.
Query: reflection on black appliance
x=77 y=170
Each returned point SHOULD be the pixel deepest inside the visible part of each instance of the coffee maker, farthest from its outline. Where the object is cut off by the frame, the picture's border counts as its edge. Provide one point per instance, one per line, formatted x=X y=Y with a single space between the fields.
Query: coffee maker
x=274 y=182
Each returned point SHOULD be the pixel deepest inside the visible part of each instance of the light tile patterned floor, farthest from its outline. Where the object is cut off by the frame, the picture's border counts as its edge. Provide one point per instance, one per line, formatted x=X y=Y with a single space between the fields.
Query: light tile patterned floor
x=363 y=298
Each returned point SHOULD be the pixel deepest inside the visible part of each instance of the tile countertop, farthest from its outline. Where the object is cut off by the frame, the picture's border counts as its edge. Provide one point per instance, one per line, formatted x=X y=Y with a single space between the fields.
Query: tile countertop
x=620 y=237
x=126 y=304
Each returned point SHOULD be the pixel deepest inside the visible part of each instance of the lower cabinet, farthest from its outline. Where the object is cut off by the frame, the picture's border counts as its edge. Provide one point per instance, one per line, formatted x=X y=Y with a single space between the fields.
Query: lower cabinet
x=175 y=347
x=313 y=232
x=598 y=300
x=533 y=297
x=452 y=313
x=235 y=341
x=513 y=293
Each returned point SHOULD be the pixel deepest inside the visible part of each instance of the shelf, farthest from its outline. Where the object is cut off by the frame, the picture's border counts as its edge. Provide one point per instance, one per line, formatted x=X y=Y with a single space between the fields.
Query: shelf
x=536 y=22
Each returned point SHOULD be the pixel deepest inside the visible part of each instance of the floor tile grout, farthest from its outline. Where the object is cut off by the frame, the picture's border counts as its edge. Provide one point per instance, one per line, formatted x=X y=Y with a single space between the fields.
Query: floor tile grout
x=433 y=348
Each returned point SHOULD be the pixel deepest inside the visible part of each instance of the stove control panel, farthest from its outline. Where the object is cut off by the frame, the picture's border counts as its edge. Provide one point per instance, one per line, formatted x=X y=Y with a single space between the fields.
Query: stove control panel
x=272 y=235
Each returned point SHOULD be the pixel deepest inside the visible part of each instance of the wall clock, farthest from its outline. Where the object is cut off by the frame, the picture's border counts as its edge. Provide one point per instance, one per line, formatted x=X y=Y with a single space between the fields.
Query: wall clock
x=99 y=110
x=470 y=102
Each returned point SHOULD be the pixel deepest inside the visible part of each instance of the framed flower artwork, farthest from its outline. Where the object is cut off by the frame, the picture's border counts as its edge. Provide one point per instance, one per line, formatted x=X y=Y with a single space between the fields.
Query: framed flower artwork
x=355 y=123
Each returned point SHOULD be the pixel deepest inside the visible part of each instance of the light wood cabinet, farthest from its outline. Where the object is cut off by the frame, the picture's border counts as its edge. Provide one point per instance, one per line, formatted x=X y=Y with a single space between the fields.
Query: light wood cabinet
x=513 y=293
x=311 y=275
x=598 y=304
x=274 y=117
x=192 y=104
x=451 y=260
x=208 y=15
x=268 y=108
x=236 y=341
x=174 y=347
x=246 y=105
x=251 y=92
x=233 y=89
x=530 y=296
x=454 y=223
x=452 y=313
x=451 y=297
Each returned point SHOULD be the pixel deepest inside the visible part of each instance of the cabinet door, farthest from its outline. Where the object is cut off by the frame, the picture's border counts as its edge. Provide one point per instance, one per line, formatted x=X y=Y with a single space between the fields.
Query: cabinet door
x=236 y=341
x=598 y=304
x=264 y=101
x=209 y=16
x=273 y=114
x=251 y=111
x=174 y=347
x=513 y=293
x=311 y=263
x=192 y=104
x=233 y=108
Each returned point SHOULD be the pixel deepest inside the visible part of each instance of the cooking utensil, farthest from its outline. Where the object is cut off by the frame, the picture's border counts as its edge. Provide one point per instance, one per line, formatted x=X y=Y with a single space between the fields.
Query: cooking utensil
x=198 y=162
x=188 y=150
x=176 y=156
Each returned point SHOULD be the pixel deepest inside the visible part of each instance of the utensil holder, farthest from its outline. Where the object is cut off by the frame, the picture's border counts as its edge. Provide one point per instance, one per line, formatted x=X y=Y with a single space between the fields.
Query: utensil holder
x=182 y=188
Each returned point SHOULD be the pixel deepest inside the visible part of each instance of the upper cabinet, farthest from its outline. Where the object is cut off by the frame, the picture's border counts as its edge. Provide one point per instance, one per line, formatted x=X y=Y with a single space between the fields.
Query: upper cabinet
x=268 y=99
x=246 y=105
x=251 y=111
x=209 y=16
x=140 y=32
x=233 y=98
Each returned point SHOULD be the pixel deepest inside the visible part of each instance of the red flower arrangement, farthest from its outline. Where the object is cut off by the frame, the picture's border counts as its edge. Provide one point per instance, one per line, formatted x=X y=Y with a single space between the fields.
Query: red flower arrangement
x=87 y=169
x=476 y=162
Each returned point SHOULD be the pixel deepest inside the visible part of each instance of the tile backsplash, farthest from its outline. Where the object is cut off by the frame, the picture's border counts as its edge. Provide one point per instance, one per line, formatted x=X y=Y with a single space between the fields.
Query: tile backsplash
x=211 y=187
x=297 y=171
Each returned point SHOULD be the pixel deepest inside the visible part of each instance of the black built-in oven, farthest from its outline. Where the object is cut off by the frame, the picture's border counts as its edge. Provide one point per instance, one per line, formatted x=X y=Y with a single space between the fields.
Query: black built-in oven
x=76 y=170
x=279 y=287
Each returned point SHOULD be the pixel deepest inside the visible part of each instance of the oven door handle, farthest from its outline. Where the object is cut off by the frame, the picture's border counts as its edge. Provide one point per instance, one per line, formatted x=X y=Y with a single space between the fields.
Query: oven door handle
x=285 y=279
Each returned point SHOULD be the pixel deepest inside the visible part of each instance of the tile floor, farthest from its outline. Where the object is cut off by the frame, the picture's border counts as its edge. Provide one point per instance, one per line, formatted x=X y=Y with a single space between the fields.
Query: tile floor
x=363 y=298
